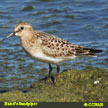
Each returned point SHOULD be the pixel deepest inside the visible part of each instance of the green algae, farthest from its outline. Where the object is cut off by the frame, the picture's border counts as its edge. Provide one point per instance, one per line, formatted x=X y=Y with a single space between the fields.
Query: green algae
x=28 y=8
x=72 y=86
x=2 y=79
x=4 y=50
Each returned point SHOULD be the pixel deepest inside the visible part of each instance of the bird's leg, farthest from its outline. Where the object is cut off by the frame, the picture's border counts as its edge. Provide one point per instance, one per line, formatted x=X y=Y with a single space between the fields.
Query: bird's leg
x=58 y=70
x=49 y=75
x=55 y=79
x=50 y=70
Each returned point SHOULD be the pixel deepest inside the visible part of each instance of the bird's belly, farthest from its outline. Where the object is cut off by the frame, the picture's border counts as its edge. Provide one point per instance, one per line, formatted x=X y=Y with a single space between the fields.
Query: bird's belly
x=47 y=59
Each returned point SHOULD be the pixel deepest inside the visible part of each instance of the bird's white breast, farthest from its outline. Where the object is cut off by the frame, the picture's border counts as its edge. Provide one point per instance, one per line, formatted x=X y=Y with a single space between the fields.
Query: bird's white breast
x=47 y=59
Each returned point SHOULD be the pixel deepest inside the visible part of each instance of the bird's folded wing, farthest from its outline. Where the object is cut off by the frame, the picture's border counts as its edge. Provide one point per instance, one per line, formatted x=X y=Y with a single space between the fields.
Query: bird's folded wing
x=55 y=47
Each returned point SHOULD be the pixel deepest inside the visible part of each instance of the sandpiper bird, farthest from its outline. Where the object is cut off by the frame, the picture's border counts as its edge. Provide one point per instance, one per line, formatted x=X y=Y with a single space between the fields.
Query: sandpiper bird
x=48 y=48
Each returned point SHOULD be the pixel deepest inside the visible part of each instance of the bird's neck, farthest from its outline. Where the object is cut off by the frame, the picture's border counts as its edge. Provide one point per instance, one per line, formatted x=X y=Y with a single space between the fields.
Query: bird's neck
x=28 y=42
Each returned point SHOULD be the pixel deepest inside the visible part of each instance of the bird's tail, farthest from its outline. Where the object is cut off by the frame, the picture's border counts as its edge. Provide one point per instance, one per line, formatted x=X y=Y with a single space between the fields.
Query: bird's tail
x=87 y=51
x=92 y=52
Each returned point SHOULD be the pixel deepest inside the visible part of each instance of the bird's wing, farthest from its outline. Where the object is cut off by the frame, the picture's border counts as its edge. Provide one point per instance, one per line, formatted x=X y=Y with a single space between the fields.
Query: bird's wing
x=54 y=46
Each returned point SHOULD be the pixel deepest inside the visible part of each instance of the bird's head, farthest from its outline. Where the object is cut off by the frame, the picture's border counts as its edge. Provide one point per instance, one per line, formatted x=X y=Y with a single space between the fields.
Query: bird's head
x=22 y=29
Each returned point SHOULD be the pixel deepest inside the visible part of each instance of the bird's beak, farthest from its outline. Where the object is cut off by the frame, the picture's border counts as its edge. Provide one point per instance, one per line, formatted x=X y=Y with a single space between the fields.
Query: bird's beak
x=11 y=34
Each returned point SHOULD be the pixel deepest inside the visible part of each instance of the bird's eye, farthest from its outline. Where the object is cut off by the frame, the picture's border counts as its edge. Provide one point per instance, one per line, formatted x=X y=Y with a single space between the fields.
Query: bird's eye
x=22 y=28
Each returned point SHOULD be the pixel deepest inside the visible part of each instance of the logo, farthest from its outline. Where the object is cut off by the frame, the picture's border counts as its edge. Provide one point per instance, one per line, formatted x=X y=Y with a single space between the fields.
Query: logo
x=93 y=104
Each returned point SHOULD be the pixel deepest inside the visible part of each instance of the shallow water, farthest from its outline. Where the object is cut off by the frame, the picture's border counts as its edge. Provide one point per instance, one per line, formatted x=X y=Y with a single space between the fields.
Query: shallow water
x=83 y=22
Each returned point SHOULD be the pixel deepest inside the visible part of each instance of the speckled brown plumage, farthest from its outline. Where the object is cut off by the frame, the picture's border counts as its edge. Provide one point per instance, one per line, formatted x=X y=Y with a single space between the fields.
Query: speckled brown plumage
x=57 y=47
x=54 y=46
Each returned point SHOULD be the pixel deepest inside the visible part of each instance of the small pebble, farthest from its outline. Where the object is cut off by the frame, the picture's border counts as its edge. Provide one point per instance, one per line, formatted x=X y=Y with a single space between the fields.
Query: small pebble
x=96 y=82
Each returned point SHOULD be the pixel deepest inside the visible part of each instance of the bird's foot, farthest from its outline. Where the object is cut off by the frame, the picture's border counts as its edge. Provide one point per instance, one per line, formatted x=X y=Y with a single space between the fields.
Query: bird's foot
x=53 y=79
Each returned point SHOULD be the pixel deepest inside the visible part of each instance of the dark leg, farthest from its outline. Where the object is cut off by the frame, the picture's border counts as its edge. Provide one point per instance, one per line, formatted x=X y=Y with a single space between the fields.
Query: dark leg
x=55 y=79
x=58 y=70
x=50 y=70
x=49 y=75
